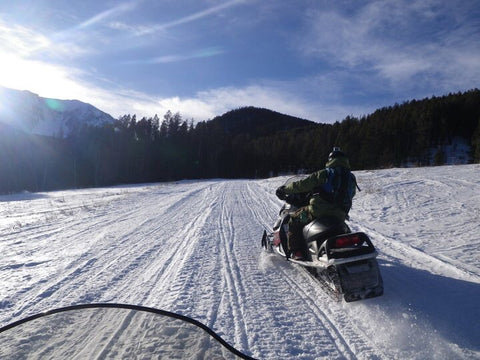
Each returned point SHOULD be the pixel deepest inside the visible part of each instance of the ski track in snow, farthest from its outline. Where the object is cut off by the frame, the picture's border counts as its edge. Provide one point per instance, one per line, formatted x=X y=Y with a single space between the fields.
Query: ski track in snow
x=193 y=247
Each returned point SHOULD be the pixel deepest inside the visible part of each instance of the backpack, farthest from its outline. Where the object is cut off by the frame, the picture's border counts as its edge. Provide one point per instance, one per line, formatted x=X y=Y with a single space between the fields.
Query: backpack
x=339 y=188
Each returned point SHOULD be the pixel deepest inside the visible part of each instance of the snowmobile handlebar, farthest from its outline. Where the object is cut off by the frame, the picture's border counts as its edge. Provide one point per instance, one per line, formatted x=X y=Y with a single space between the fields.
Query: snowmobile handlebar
x=297 y=200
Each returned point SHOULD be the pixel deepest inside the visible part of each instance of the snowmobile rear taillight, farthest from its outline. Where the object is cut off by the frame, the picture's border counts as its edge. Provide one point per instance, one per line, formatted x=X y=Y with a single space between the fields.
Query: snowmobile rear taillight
x=348 y=245
x=347 y=241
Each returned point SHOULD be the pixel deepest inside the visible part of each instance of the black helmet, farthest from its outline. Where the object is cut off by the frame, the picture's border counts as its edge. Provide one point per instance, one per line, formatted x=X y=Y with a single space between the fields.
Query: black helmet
x=336 y=152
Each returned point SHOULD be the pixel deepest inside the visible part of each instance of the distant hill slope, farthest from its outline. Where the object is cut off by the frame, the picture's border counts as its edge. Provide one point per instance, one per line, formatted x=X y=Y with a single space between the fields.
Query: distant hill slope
x=257 y=122
x=43 y=116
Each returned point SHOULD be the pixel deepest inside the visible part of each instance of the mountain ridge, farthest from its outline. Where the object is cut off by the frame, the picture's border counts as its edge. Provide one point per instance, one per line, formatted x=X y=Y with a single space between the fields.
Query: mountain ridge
x=256 y=121
x=38 y=115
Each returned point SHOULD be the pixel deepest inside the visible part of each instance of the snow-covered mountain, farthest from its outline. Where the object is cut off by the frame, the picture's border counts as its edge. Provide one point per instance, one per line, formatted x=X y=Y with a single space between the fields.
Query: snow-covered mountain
x=44 y=116
x=193 y=248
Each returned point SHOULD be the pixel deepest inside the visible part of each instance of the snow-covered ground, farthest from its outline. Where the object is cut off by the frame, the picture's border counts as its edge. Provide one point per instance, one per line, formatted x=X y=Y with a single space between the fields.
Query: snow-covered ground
x=193 y=247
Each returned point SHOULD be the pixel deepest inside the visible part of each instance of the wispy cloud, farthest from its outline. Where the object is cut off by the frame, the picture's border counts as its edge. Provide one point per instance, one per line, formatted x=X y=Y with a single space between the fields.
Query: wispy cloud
x=145 y=30
x=204 y=53
x=87 y=37
x=20 y=40
x=110 y=13
x=133 y=29
x=26 y=42
x=173 y=58
x=398 y=42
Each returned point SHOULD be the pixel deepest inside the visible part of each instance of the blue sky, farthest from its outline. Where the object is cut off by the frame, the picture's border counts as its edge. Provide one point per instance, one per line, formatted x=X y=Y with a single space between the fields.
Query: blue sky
x=319 y=60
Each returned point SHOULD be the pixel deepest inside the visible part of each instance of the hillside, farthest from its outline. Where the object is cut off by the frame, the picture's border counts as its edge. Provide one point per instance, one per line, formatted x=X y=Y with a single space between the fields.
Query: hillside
x=257 y=122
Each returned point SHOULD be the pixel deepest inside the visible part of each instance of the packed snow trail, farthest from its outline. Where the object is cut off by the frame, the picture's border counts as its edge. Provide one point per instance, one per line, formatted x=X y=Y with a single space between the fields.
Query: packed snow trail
x=193 y=247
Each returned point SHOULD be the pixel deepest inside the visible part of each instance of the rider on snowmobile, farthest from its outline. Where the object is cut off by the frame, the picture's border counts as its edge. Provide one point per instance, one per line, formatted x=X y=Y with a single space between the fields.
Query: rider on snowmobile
x=330 y=190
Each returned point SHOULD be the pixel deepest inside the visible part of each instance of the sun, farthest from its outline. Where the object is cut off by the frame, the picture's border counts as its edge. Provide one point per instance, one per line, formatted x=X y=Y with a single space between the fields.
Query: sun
x=22 y=62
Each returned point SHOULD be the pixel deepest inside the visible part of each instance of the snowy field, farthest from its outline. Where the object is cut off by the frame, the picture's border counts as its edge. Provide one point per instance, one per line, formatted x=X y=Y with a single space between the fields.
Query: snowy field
x=193 y=247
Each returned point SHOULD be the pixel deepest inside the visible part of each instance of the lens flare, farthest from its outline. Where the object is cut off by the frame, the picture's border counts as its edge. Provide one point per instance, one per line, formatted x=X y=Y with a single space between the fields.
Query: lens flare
x=54 y=104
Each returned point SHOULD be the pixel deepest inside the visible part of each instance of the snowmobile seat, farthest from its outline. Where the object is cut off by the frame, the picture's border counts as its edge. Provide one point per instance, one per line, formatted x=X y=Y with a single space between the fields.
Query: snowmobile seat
x=323 y=228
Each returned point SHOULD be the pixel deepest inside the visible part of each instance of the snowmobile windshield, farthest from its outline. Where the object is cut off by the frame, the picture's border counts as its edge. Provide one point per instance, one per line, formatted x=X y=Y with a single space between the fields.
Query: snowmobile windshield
x=112 y=331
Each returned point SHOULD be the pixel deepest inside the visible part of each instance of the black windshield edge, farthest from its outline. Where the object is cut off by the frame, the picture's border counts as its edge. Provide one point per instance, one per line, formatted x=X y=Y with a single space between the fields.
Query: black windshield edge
x=130 y=307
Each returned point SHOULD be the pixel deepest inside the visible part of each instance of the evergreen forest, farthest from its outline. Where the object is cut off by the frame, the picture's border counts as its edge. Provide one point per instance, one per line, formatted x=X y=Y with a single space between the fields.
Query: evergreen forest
x=243 y=143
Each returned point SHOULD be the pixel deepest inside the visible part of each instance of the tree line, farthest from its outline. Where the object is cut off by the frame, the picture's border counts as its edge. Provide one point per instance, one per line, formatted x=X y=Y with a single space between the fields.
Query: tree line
x=243 y=143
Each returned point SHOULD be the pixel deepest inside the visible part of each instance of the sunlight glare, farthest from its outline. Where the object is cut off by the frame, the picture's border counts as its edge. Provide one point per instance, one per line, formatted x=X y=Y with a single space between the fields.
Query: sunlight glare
x=20 y=40
x=43 y=79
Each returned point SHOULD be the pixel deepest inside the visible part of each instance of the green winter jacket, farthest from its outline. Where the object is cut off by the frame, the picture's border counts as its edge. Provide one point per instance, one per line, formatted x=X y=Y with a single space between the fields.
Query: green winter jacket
x=319 y=207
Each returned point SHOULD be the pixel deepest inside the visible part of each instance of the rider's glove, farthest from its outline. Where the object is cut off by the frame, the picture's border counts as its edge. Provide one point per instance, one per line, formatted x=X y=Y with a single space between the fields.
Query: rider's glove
x=281 y=194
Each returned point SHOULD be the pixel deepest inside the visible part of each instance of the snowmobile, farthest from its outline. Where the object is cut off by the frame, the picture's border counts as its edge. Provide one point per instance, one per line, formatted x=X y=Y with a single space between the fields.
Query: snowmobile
x=343 y=261
x=112 y=331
